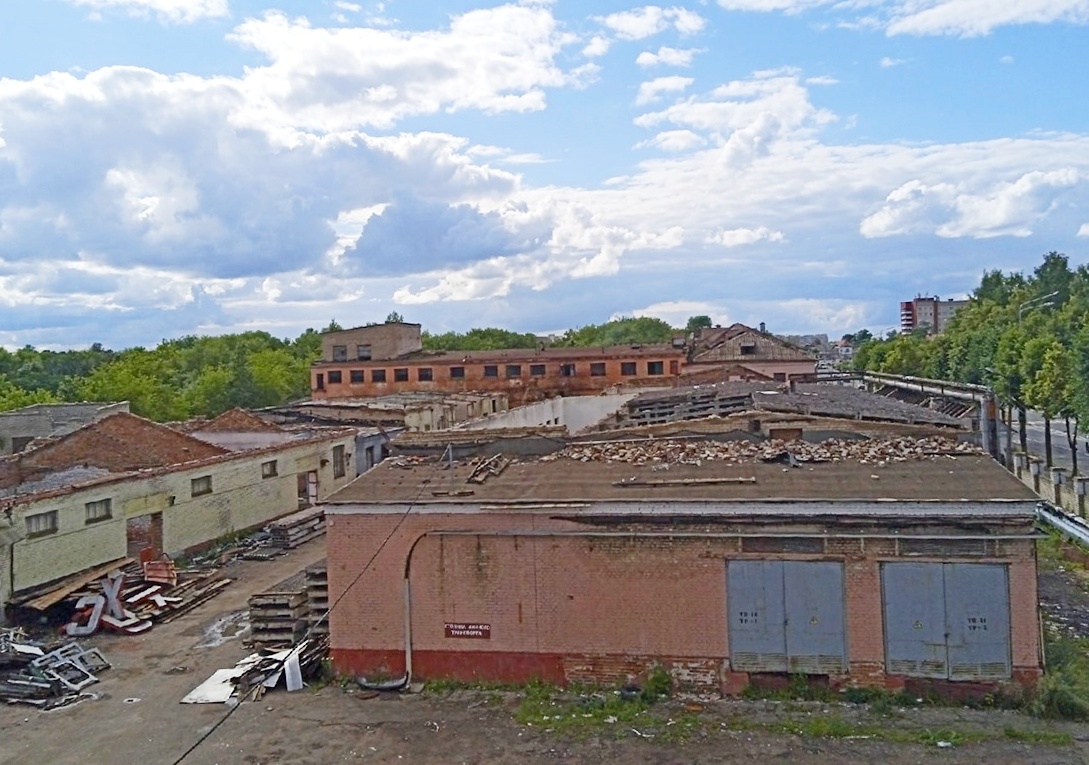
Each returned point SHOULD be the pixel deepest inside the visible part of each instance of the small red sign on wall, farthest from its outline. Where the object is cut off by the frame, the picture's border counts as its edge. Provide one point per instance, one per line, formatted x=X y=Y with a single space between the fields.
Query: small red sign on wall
x=472 y=631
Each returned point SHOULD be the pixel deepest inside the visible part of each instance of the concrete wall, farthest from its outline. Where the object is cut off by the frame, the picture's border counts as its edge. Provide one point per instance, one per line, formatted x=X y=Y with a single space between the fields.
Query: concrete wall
x=574 y=413
x=240 y=499
x=568 y=608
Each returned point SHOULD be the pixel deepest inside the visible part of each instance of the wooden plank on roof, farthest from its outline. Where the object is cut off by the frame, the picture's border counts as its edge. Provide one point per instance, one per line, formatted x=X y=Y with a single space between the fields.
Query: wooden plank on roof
x=73 y=583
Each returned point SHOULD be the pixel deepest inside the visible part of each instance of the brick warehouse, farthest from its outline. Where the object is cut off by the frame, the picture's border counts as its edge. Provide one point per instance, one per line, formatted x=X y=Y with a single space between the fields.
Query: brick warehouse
x=381 y=359
x=916 y=569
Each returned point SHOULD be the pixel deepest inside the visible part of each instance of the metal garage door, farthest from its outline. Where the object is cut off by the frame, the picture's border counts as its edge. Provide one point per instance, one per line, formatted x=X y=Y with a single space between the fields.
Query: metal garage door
x=947 y=620
x=786 y=616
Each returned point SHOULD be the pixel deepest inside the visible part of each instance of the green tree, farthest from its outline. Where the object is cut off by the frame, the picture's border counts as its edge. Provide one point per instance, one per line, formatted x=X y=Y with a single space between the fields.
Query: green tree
x=698 y=322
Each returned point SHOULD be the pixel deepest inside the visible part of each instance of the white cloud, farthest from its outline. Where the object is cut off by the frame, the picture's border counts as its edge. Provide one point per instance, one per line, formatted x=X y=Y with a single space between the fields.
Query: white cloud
x=494 y=60
x=597 y=47
x=887 y=63
x=1006 y=60
x=1083 y=230
x=956 y=210
x=650 y=91
x=737 y=237
x=173 y=11
x=677 y=312
x=666 y=57
x=961 y=18
x=650 y=20
x=971 y=18
x=674 y=141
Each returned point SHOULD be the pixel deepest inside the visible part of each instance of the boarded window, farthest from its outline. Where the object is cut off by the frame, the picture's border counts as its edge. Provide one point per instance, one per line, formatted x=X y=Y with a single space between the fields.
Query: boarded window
x=537 y=370
x=320 y=381
x=363 y=352
x=202 y=485
x=627 y=368
x=99 y=510
x=378 y=375
x=491 y=370
x=597 y=369
x=424 y=374
x=674 y=367
x=338 y=462
x=335 y=377
x=655 y=367
x=357 y=376
x=41 y=523
x=514 y=370
x=268 y=469
x=457 y=373
x=400 y=375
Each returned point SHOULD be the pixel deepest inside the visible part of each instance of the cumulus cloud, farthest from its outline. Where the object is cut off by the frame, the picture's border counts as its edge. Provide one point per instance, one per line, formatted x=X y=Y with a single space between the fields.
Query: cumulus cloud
x=650 y=20
x=673 y=140
x=494 y=60
x=677 y=312
x=666 y=57
x=172 y=11
x=652 y=90
x=888 y=63
x=1083 y=230
x=954 y=210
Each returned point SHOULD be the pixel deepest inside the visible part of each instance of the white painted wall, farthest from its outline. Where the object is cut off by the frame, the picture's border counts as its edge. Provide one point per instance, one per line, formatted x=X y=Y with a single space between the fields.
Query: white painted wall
x=574 y=413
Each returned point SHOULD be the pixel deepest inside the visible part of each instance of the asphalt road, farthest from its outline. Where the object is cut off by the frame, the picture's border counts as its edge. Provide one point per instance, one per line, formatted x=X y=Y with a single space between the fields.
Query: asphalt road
x=1060 y=448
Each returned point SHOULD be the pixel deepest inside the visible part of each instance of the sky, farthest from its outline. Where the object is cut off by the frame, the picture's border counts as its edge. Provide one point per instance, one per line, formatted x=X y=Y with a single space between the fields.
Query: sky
x=178 y=167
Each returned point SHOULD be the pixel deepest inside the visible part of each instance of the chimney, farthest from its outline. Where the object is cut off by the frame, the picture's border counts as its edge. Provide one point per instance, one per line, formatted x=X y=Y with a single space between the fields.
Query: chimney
x=763 y=328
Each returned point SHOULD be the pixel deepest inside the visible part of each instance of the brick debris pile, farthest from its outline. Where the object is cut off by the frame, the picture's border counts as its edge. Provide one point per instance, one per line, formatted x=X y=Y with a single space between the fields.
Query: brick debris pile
x=695 y=452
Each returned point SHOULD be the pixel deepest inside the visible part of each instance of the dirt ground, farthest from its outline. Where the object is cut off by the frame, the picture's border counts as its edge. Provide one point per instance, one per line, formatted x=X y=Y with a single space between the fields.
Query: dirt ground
x=135 y=717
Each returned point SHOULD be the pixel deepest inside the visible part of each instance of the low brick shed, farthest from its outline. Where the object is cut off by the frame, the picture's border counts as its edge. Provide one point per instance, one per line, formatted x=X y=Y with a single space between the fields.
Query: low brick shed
x=921 y=571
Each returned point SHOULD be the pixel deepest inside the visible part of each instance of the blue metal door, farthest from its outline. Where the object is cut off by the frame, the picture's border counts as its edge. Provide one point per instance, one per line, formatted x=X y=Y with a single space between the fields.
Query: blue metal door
x=815 y=639
x=914 y=605
x=757 y=621
x=977 y=607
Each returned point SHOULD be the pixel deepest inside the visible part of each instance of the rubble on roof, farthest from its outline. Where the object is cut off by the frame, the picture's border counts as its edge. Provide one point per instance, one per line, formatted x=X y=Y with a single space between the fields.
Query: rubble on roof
x=694 y=452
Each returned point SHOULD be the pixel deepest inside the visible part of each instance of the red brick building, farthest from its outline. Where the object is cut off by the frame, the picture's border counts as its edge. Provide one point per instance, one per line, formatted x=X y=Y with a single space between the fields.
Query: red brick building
x=389 y=358
x=908 y=571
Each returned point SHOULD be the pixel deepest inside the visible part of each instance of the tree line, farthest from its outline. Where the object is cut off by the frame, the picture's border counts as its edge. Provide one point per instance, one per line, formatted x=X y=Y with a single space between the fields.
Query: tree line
x=204 y=376
x=1025 y=336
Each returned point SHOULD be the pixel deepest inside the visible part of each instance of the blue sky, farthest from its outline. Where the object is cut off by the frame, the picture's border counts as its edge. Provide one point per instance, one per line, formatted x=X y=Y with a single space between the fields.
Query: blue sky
x=172 y=167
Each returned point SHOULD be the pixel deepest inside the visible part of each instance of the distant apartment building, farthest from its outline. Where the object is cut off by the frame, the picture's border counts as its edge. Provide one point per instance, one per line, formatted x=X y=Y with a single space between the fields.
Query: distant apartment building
x=933 y=313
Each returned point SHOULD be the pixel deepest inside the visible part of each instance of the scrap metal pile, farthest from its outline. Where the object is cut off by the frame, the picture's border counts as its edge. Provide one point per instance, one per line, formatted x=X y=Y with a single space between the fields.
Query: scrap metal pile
x=670 y=451
x=45 y=676
x=261 y=671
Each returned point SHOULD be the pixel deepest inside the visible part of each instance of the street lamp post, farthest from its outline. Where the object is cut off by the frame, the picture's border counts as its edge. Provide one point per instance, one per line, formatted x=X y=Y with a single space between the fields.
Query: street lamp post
x=1036 y=302
x=1043 y=301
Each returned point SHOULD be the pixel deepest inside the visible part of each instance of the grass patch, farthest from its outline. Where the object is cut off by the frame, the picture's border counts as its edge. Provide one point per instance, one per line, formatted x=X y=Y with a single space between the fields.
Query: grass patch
x=1048 y=737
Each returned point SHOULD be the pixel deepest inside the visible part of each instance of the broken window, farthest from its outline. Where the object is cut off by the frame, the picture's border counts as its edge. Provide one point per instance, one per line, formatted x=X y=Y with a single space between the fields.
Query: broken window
x=537 y=370
x=320 y=383
x=357 y=376
x=424 y=374
x=41 y=523
x=199 y=486
x=597 y=369
x=335 y=377
x=491 y=370
x=655 y=367
x=567 y=370
x=363 y=352
x=780 y=377
x=748 y=348
x=338 y=462
x=514 y=370
x=378 y=375
x=627 y=368
x=340 y=353
x=457 y=373
x=99 y=510
x=400 y=375
x=268 y=469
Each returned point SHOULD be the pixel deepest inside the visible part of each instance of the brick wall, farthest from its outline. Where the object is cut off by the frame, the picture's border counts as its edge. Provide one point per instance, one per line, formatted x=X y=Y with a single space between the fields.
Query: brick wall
x=582 y=607
x=387 y=341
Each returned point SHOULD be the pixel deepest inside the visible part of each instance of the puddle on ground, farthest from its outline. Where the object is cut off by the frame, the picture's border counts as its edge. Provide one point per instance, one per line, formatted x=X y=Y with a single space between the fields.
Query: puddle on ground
x=225 y=628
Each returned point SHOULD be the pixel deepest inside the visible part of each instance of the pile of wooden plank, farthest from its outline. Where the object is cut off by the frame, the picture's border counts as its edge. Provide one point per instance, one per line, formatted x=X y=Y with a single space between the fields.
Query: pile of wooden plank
x=278 y=618
x=317 y=597
x=292 y=530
